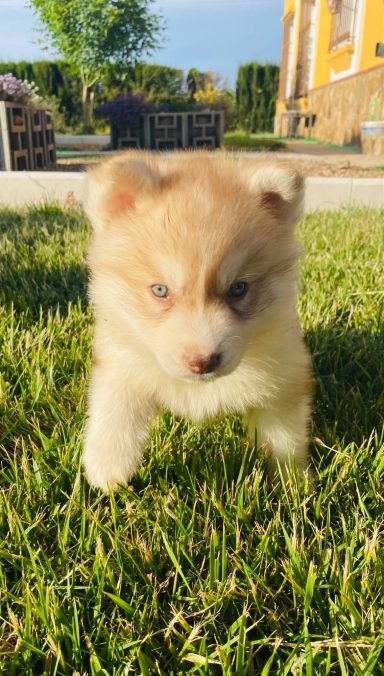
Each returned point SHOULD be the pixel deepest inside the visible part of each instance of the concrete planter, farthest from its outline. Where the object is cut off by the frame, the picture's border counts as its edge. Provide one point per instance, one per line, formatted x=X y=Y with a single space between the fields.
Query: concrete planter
x=27 y=139
x=372 y=137
x=171 y=131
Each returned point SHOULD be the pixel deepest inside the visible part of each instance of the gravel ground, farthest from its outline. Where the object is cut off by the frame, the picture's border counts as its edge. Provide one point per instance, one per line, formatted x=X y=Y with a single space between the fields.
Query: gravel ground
x=318 y=166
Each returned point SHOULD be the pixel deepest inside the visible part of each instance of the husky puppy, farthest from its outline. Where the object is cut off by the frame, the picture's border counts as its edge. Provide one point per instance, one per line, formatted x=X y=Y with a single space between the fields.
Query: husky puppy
x=193 y=282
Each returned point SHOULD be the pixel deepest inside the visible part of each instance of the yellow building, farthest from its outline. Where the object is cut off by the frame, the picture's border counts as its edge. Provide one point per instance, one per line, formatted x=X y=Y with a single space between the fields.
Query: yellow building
x=332 y=69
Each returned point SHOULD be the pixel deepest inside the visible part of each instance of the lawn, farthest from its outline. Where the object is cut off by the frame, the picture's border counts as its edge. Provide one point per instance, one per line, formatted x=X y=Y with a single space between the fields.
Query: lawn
x=199 y=566
x=239 y=140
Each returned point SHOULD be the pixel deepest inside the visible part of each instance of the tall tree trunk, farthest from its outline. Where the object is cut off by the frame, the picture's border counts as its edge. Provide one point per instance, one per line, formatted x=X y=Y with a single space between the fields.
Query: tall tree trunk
x=85 y=99
x=87 y=103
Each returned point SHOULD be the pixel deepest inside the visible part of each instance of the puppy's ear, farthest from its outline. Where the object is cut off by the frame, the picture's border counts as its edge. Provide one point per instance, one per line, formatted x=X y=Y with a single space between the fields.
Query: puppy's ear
x=114 y=187
x=280 y=192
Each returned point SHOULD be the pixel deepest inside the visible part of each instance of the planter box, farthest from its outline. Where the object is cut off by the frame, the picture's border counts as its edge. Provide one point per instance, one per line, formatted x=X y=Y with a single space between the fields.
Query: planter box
x=372 y=137
x=27 y=140
x=171 y=131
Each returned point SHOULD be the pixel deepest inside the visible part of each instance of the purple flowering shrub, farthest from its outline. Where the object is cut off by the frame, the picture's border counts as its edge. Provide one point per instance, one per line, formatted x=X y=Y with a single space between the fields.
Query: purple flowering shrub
x=125 y=110
x=20 y=91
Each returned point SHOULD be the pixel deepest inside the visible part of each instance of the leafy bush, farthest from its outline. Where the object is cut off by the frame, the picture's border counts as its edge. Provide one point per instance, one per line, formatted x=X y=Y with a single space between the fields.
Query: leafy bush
x=125 y=109
x=213 y=98
x=157 y=83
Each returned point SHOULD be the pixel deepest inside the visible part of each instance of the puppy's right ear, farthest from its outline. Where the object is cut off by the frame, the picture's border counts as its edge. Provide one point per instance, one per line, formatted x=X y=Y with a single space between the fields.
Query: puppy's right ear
x=280 y=190
x=114 y=187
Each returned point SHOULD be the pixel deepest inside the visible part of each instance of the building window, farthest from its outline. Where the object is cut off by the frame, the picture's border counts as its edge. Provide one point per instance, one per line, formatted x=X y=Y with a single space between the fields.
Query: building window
x=343 y=24
x=304 y=57
x=334 y=6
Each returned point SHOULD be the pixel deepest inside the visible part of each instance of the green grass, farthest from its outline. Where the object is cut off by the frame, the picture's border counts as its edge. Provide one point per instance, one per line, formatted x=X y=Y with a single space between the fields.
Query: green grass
x=324 y=144
x=199 y=566
x=63 y=153
x=239 y=140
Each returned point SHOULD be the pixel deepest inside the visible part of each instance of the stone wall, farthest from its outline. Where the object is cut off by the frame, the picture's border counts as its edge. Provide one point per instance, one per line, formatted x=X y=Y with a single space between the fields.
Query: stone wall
x=340 y=107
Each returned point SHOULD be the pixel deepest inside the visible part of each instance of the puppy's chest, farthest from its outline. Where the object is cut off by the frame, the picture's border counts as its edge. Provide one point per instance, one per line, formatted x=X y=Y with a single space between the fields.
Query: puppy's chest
x=206 y=400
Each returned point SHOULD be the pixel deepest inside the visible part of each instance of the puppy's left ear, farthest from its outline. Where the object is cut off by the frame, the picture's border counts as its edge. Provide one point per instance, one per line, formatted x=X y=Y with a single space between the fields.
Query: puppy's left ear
x=114 y=187
x=280 y=192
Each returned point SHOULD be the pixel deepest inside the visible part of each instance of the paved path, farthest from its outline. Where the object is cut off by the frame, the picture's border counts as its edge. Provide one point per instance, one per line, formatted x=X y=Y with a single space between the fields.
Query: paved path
x=322 y=192
x=21 y=188
x=301 y=150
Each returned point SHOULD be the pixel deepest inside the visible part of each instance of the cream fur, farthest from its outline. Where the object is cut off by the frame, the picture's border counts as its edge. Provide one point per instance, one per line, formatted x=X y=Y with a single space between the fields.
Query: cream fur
x=197 y=224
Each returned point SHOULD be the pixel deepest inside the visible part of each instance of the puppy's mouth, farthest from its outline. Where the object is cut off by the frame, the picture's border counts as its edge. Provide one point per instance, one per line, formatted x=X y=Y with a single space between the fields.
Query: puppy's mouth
x=201 y=377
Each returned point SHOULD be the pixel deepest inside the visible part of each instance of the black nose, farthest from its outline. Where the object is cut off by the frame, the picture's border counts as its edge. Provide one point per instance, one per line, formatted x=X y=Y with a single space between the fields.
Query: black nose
x=202 y=363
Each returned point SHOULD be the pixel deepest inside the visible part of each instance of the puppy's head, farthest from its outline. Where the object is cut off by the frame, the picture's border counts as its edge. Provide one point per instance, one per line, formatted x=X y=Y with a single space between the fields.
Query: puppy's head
x=192 y=257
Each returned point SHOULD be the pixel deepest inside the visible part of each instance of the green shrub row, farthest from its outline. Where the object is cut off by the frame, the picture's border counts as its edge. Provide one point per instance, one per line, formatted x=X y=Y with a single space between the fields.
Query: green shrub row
x=252 y=109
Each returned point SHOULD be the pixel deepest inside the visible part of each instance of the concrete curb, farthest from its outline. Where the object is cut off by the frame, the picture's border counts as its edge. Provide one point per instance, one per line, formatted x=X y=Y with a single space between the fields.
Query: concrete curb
x=332 y=193
x=65 y=140
x=17 y=189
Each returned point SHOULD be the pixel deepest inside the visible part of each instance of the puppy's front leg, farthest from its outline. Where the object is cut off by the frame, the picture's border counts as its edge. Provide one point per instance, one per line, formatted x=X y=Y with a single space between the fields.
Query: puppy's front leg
x=283 y=432
x=117 y=429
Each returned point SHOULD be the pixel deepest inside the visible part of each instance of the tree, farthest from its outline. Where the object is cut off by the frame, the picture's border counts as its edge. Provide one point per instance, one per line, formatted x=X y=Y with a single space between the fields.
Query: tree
x=195 y=81
x=93 y=35
x=256 y=93
x=158 y=83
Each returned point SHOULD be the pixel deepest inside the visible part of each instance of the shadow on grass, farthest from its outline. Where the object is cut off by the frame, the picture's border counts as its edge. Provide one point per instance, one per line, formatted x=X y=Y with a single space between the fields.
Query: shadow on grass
x=37 y=289
x=349 y=376
x=41 y=266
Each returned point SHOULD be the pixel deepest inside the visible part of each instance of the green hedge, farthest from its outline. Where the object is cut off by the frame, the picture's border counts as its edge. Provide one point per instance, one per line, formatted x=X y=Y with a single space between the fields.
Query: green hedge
x=56 y=79
x=256 y=93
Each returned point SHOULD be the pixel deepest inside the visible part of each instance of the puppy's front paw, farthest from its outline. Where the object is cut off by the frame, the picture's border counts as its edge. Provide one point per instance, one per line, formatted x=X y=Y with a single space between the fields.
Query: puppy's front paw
x=106 y=471
x=100 y=475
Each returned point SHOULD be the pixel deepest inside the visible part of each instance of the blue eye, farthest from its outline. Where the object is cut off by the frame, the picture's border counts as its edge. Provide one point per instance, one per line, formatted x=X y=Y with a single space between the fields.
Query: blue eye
x=159 y=290
x=237 y=290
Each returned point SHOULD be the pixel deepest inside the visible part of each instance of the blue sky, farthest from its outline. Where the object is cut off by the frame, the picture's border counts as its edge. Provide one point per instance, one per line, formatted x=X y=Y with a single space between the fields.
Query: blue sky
x=216 y=35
